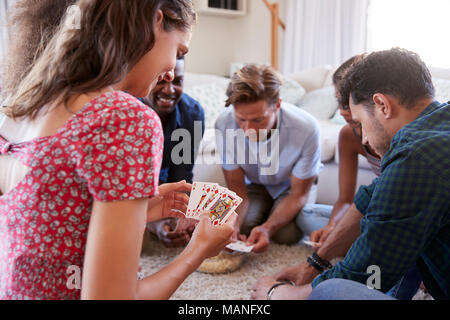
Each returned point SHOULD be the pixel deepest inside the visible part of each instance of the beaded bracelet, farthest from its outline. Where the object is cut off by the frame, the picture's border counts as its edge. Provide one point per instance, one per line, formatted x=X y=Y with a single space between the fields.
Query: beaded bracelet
x=315 y=264
x=324 y=263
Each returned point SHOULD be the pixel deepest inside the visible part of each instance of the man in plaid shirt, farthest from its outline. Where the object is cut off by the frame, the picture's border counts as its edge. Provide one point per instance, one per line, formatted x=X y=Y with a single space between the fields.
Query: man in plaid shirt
x=402 y=219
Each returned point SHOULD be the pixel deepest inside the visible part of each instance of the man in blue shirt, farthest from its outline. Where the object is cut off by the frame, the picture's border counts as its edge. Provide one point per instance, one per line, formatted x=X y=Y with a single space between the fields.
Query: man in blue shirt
x=270 y=157
x=402 y=220
x=183 y=120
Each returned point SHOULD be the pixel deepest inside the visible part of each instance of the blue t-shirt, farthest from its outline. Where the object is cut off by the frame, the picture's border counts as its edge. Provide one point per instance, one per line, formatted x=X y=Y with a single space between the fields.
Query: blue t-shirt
x=292 y=149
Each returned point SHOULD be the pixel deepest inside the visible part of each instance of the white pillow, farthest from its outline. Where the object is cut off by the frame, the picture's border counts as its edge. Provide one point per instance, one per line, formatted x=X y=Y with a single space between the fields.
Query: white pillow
x=321 y=103
x=291 y=91
x=329 y=136
x=442 y=87
x=196 y=79
x=338 y=118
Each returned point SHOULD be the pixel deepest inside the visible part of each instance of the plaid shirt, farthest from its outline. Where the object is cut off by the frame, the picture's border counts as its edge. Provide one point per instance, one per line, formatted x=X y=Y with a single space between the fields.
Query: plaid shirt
x=406 y=211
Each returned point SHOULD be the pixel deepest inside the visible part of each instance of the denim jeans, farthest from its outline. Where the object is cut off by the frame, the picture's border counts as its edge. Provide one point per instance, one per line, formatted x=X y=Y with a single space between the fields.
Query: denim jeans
x=313 y=217
x=408 y=285
x=316 y=216
x=342 y=289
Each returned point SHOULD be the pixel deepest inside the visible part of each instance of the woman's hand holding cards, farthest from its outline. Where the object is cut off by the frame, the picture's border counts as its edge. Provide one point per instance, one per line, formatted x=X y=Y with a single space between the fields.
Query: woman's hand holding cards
x=209 y=239
x=171 y=201
x=219 y=202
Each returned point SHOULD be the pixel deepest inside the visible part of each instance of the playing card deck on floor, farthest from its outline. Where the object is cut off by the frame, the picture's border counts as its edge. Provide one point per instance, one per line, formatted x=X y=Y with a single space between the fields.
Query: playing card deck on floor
x=218 y=201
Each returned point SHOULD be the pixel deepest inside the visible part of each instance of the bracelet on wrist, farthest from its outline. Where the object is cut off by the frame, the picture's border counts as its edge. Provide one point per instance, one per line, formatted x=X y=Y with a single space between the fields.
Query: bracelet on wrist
x=276 y=285
x=315 y=264
x=324 y=263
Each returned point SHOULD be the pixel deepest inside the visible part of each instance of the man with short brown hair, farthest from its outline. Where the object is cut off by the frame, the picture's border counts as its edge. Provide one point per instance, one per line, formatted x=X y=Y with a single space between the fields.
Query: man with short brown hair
x=275 y=160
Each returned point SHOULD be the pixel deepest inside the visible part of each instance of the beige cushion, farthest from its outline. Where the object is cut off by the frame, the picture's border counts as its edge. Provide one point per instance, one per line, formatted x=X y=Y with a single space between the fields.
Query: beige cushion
x=442 y=87
x=320 y=103
x=291 y=91
x=312 y=79
x=329 y=136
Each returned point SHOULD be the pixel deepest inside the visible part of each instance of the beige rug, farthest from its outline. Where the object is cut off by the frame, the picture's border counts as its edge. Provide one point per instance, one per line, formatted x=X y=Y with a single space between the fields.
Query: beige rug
x=232 y=286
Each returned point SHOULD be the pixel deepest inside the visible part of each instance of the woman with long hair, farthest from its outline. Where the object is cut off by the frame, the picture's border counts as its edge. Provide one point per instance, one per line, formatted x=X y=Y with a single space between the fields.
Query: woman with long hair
x=80 y=181
x=31 y=24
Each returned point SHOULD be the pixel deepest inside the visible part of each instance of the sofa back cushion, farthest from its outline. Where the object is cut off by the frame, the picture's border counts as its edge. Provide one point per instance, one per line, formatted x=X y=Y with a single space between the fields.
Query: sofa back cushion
x=321 y=103
x=442 y=87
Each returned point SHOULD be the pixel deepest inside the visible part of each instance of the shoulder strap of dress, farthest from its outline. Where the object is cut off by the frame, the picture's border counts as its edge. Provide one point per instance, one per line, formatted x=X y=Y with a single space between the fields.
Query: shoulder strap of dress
x=355 y=132
x=14 y=150
x=5 y=146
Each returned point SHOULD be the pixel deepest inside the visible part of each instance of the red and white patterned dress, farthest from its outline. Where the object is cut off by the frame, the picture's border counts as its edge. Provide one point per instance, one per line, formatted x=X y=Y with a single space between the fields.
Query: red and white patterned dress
x=110 y=150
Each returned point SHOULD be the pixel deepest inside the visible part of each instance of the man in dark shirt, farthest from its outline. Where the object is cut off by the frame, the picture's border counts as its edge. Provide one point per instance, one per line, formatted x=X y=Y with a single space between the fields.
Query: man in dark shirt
x=183 y=121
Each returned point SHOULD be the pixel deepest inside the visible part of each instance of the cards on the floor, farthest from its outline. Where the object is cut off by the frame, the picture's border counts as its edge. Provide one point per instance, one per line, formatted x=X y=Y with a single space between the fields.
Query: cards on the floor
x=240 y=246
x=218 y=201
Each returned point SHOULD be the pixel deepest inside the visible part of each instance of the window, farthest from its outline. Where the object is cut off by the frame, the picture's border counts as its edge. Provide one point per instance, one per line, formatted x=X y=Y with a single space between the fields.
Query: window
x=230 y=8
x=3 y=29
x=223 y=4
x=417 y=25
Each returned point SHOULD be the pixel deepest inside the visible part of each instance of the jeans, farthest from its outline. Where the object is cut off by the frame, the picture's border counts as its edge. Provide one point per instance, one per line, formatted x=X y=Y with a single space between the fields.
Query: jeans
x=408 y=285
x=342 y=289
x=316 y=216
x=313 y=217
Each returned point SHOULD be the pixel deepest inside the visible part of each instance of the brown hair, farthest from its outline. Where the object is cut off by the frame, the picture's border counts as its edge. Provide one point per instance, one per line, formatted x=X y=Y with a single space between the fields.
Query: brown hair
x=112 y=37
x=254 y=83
x=342 y=70
x=396 y=72
x=31 y=23
x=340 y=74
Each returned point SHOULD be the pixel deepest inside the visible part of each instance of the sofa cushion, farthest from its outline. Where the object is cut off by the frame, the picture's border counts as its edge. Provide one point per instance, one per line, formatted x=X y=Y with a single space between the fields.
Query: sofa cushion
x=211 y=97
x=291 y=91
x=338 y=118
x=312 y=79
x=195 y=79
x=442 y=87
x=321 y=103
x=329 y=136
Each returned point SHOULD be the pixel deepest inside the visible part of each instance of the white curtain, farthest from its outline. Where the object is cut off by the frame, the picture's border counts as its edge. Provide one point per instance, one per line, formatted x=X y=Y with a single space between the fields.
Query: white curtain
x=4 y=5
x=320 y=32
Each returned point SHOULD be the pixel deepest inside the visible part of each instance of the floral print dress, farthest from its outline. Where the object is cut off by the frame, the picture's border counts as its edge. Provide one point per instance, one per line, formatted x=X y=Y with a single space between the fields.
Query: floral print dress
x=111 y=150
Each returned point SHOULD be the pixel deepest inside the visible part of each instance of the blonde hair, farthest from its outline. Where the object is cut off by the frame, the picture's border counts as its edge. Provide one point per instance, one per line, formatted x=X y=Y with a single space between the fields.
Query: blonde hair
x=254 y=83
x=112 y=37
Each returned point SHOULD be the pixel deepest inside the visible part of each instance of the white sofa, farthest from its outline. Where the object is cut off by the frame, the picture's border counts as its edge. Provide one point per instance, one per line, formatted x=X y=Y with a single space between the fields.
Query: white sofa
x=311 y=90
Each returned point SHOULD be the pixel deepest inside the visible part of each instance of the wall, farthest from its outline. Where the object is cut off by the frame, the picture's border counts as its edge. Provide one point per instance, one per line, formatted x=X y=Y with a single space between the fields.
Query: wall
x=219 y=41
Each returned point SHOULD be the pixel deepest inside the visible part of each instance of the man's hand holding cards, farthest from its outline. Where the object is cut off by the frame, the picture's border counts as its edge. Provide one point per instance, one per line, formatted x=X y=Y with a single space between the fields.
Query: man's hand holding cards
x=218 y=201
x=240 y=246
